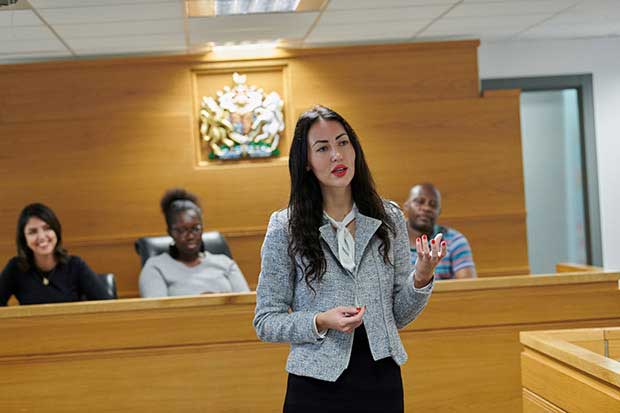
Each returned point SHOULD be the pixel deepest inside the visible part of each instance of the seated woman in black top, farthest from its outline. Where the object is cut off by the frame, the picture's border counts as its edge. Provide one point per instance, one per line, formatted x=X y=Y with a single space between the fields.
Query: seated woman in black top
x=43 y=272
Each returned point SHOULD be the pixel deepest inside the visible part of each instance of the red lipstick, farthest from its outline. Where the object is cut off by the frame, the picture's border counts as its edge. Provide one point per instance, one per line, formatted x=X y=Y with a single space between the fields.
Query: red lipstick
x=340 y=170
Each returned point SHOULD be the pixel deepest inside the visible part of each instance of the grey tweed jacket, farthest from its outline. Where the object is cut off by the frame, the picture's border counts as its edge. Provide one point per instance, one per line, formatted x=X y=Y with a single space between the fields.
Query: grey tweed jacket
x=387 y=291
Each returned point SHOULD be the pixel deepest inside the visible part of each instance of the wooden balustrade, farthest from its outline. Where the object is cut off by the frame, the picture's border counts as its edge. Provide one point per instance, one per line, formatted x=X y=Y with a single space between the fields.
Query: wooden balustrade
x=571 y=370
x=201 y=353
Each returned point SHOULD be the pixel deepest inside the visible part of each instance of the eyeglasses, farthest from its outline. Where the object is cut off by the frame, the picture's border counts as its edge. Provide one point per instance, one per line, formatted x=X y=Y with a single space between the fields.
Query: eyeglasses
x=183 y=232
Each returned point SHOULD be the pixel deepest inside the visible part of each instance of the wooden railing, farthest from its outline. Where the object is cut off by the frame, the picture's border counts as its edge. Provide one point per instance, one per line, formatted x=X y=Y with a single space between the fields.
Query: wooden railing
x=572 y=267
x=571 y=370
x=201 y=353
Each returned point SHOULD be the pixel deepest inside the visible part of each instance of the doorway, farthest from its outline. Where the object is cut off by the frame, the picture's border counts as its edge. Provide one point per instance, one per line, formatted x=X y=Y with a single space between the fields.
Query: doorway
x=559 y=169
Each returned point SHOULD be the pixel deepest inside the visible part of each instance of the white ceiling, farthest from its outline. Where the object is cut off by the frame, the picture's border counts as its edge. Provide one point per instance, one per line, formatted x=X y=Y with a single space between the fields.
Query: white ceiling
x=53 y=29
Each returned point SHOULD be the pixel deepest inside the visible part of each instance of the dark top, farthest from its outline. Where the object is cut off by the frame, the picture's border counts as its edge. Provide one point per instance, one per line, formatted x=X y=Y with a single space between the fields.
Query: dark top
x=365 y=386
x=67 y=282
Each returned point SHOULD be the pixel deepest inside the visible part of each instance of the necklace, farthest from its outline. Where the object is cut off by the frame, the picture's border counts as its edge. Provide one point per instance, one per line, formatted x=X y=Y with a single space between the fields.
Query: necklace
x=45 y=277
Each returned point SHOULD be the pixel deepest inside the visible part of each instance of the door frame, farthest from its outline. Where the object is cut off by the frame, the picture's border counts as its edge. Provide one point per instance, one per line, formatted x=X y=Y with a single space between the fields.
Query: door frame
x=583 y=84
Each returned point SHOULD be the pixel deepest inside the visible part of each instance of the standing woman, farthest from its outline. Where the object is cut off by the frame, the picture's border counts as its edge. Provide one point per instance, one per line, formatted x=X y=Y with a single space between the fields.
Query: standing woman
x=336 y=277
x=43 y=272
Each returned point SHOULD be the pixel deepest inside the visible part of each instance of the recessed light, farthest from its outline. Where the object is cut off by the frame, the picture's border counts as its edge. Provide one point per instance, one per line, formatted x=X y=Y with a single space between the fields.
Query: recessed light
x=245 y=47
x=210 y=8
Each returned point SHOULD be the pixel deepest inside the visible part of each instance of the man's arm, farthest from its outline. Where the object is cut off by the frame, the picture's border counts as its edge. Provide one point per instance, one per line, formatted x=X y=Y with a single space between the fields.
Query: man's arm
x=462 y=259
x=468 y=272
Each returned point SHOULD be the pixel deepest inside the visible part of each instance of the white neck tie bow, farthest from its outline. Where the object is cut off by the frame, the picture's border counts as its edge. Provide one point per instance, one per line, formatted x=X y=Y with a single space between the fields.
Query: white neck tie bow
x=346 y=243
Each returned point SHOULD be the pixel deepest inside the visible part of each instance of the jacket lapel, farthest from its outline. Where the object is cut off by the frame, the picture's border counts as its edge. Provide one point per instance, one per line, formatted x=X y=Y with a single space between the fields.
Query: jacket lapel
x=365 y=228
x=329 y=235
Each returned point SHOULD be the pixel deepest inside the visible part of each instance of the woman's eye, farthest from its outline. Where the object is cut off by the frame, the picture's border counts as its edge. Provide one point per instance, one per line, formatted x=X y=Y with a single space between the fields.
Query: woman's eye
x=322 y=149
x=344 y=142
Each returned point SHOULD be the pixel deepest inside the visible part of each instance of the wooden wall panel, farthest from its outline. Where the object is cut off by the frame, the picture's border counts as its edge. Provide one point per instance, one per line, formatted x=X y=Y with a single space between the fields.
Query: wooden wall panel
x=248 y=248
x=501 y=239
x=484 y=373
x=177 y=379
x=566 y=386
x=380 y=80
x=113 y=255
x=42 y=92
x=100 y=142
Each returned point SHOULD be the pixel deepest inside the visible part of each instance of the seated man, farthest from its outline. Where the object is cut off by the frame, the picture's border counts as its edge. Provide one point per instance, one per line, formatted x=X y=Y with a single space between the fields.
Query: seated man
x=422 y=209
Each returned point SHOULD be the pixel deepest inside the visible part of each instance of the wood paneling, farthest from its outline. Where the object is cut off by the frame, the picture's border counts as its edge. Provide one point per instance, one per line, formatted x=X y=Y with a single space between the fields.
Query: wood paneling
x=533 y=403
x=565 y=369
x=384 y=80
x=566 y=387
x=201 y=353
x=612 y=336
x=100 y=141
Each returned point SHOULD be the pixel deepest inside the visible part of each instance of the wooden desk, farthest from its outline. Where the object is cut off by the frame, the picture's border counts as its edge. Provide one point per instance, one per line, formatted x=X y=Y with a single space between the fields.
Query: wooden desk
x=201 y=353
x=572 y=267
x=570 y=371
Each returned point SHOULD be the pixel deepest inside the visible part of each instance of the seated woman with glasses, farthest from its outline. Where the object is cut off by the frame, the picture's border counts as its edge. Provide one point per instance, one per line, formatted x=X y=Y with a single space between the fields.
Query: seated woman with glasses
x=187 y=269
x=43 y=272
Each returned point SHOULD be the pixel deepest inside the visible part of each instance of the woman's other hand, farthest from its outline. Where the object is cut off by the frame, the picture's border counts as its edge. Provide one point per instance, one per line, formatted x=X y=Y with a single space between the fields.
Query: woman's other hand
x=429 y=255
x=345 y=319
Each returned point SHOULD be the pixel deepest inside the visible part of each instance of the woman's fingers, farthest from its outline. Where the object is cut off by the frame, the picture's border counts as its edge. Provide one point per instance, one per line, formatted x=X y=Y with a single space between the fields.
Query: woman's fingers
x=418 y=247
x=438 y=247
x=437 y=243
x=429 y=254
x=348 y=311
x=432 y=250
x=421 y=244
x=354 y=314
x=351 y=318
x=425 y=248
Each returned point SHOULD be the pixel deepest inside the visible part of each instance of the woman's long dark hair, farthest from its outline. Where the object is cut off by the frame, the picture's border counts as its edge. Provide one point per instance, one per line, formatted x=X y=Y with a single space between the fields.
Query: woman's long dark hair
x=25 y=255
x=305 y=207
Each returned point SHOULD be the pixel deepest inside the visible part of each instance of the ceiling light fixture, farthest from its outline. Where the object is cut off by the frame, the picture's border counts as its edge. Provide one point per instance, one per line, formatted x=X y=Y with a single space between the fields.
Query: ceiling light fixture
x=230 y=7
x=209 y=8
x=7 y=3
x=245 y=47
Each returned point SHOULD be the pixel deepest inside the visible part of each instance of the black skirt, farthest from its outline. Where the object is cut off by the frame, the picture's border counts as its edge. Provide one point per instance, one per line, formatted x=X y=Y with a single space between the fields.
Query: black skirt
x=365 y=386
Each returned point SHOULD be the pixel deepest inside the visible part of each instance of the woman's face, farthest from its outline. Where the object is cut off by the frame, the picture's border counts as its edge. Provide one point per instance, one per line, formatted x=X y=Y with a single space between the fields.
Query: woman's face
x=40 y=237
x=331 y=156
x=187 y=232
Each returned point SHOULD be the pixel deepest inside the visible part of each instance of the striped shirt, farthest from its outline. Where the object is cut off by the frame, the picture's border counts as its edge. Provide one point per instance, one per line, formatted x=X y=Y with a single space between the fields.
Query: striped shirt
x=459 y=254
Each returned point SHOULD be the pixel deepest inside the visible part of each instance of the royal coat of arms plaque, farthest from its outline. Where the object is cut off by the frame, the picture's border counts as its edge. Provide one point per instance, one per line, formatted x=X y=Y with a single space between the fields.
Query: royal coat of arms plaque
x=241 y=122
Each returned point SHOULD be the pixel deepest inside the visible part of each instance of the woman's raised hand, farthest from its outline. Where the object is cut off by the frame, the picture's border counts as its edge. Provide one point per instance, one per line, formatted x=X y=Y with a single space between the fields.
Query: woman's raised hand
x=344 y=319
x=429 y=255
